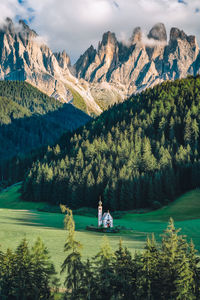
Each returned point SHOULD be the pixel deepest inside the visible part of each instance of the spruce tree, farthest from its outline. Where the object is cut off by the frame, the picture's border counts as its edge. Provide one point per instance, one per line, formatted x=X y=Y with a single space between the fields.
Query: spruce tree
x=104 y=271
x=184 y=282
x=124 y=279
x=149 y=285
x=22 y=272
x=194 y=261
x=88 y=283
x=44 y=275
x=176 y=275
x=72 y=264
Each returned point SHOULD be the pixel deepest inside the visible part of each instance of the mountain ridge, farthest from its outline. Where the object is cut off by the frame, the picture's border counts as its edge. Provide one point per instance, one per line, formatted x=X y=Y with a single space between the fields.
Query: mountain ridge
x=143 y=62
x=103 y=76
x=24 y=56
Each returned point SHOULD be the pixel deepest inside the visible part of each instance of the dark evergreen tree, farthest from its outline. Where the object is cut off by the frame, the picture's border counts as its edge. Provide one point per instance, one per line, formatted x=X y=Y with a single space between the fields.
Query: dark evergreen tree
x=104 y=272
x=27 y=274
x=72 y=263
x=124 y=279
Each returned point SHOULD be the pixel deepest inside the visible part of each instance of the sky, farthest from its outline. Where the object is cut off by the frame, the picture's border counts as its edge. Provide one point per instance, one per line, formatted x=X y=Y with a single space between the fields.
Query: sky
x=73 y=25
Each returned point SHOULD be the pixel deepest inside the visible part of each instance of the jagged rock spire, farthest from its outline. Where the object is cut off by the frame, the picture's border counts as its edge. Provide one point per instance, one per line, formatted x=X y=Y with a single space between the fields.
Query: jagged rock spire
x=158 y=32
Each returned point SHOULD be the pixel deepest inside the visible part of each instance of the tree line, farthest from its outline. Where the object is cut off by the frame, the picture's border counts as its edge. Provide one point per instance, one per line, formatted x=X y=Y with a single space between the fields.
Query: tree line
x=168 y=270
x=27 y=274
x=142 y=153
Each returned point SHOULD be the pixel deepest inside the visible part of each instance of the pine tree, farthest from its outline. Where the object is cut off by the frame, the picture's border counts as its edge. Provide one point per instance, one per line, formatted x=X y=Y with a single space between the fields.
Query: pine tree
x=104 y=271
x=7 y=280
x=176 y=275
x=26 y=274
x=150 y=273
x=184 y=282
x=22 y=272
x=188 y=128
x=124 y=279
x=194 y=261
x=148 y=159
x=44 y=278
x=72 y=263
x=88 y=285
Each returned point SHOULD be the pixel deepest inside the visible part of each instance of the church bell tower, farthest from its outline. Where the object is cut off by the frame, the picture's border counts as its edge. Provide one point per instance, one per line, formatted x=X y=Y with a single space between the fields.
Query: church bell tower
x=100 y=214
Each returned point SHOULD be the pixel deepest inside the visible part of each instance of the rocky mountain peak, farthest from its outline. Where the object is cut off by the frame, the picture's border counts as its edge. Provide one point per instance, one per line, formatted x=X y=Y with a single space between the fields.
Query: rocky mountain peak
x=91 y=52
x=158 y=32
x=107 y=53
x=25 y=33
x=118 y=70
x=109 y=38
x=176 y=34
x=136 y=36
x=84 y=61
x=63 y=59
x=26 y=29
x=192 y=40
x=8 y=27
x=25 y=57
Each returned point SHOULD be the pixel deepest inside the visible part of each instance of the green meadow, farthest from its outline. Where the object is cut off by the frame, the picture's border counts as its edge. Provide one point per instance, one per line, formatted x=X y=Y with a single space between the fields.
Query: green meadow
x=20 y=220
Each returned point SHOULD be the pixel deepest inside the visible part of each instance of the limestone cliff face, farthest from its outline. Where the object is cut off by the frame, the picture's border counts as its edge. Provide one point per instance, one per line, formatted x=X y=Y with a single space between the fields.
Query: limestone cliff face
x=119 y=70
x=101 y=76
x=180 y=54
x=24 y=56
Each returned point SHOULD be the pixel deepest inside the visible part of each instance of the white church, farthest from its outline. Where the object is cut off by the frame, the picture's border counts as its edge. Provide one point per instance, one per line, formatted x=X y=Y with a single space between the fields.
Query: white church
x=105 y=220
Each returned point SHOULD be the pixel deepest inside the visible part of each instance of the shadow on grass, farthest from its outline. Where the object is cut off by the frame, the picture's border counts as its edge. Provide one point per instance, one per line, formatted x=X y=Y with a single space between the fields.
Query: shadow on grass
x=32 y=219
x=131 y=236
x=29 y=224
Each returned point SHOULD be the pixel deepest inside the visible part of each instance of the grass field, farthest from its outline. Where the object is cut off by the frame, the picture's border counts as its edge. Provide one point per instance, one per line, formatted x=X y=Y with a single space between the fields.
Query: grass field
x=78 y=101
x=21 y=219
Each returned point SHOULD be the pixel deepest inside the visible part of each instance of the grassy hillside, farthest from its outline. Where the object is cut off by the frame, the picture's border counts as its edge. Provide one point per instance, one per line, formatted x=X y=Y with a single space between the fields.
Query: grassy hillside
x=21 y=219
x=186 y=207
x=78 y=101
x=10 y=198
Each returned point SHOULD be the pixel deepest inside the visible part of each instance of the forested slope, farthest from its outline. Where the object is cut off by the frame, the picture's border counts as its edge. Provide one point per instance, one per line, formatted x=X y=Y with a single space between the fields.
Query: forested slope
x=141 y=153
x=29 y=119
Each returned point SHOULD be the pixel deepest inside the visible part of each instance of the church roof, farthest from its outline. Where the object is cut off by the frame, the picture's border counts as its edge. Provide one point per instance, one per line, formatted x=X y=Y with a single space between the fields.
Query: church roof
x=107 y=215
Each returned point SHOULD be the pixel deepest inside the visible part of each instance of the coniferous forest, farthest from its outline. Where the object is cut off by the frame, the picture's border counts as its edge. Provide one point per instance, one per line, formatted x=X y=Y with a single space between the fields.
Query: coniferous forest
x=141 y=153
x=30 y=120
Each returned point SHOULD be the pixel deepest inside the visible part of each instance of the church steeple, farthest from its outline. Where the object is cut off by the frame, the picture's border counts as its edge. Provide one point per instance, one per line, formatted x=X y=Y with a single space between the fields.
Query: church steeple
x=100 y=213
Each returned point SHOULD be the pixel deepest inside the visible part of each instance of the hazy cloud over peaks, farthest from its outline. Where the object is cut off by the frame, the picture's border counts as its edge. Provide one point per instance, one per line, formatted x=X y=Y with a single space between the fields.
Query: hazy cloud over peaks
x=74 y=25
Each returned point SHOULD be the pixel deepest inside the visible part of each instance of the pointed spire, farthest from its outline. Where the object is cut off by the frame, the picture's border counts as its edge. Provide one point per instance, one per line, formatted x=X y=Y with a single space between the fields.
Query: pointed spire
x=158 y=32
x=100 y=202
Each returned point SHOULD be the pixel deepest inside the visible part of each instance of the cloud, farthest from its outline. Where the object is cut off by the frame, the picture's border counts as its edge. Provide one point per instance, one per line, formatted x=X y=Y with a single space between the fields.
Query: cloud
x=151 y=42
x=74 y=25
x=10 y=8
